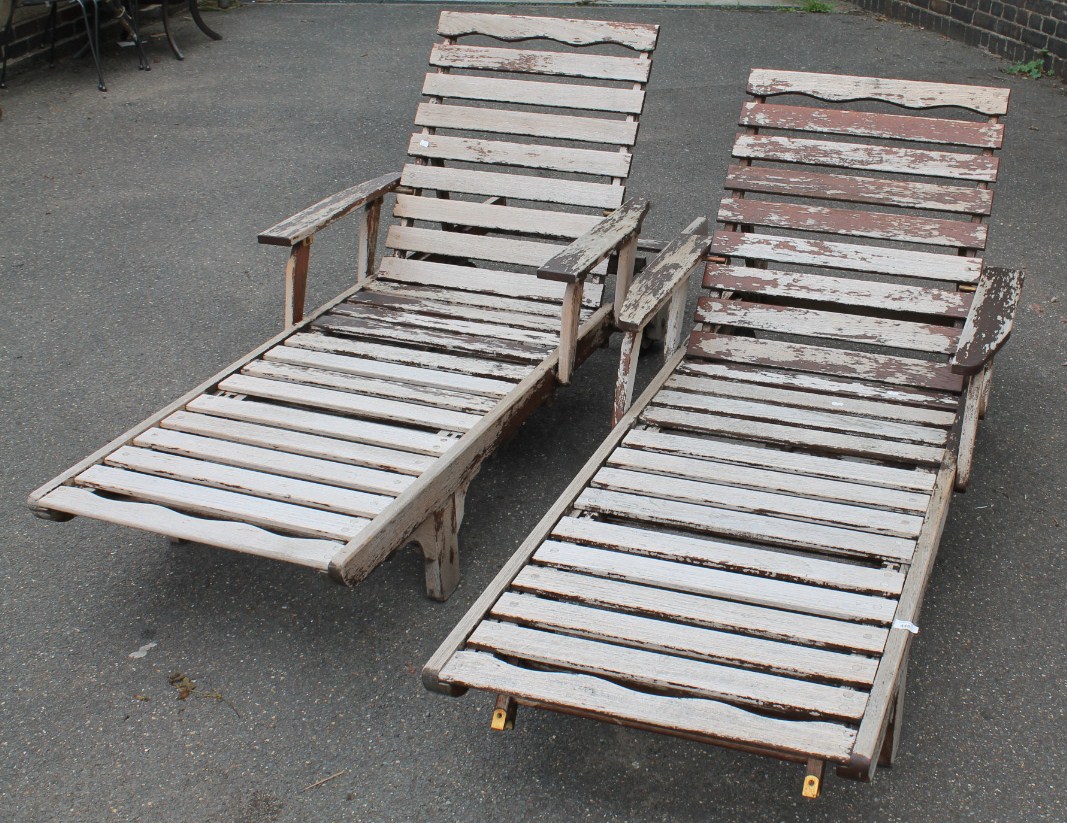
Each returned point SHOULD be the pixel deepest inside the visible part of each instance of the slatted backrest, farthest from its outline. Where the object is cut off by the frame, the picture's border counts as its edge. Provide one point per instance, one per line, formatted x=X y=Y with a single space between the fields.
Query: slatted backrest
x=854 y=226
x=520 y=148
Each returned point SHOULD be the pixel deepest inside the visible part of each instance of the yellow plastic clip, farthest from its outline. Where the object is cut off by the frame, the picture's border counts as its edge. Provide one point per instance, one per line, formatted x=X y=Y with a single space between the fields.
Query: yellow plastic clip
x=811 y=786
x=501 y=723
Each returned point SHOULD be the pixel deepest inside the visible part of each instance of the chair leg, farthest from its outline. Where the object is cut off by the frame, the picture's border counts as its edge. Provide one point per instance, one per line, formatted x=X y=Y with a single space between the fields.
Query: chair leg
x=194 y=10
x=165 y=11
x=8 y=30
x=891 y=743
x=969 y=429
x=93 y=33
x=438 y=538
x=52 y=34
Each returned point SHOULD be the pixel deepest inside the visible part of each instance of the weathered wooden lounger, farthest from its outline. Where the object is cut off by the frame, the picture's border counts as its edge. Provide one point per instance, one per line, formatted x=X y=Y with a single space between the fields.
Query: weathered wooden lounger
x=359 y=428
x=743 y=560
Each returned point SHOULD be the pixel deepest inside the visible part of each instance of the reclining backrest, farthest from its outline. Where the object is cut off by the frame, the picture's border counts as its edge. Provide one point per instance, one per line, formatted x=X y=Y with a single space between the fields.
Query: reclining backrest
x=544 y=134
x=894 y=202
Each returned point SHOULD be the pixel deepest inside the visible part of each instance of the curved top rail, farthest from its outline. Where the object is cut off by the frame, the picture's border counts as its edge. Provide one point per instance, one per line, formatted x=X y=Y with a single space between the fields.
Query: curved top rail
x=910 y=94
x=510 y=27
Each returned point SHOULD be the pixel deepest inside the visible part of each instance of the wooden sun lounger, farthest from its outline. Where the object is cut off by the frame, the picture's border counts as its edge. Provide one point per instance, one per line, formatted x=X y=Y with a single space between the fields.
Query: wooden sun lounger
x=743 y=560
x=358 y=428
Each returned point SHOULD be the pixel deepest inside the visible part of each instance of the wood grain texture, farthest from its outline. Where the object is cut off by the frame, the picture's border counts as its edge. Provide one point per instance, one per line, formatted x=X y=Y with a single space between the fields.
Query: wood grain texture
x=523 y=155
x=532 y=124
x=534 y=93
x=499 y=218
x=529 y=61
x=509 y=27
x=513 y=186
x=990 y=321
x=653 y=288
x=576 y=261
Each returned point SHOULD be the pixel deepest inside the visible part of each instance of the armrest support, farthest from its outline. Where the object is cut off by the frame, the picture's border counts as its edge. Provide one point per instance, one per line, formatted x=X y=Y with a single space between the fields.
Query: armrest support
x=653 y=289
x=304 y=224
x=574 y=262
x=990 y=319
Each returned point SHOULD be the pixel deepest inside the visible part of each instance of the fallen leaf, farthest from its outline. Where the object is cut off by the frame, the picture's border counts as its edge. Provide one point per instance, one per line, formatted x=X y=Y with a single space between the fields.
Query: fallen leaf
x=183 y=684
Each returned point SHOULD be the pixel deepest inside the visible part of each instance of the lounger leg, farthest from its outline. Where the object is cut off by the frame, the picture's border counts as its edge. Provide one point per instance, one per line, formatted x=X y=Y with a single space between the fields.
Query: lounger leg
x=296 y=278
x=368 y=240
x=969 y=429
x=568 y=334
x=438 y=538
x=624 y=272
x=504 y=713
x=891 y=743
x=813 y=779
x=987 y=384
x=624 y=383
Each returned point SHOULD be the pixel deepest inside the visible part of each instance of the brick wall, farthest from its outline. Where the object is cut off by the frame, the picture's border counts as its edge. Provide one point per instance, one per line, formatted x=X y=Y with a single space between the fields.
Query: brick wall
x=1020 y=30
x=30 y=26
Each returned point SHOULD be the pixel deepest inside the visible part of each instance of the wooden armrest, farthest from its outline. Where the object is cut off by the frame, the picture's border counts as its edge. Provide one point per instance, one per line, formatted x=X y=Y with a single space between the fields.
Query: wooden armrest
x=654 y=287
x=574 y=262
x=990 y=319
x=301 y=226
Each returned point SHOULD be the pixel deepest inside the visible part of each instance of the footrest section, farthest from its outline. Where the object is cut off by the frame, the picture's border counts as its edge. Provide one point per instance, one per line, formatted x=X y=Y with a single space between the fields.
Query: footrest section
x=242 y=537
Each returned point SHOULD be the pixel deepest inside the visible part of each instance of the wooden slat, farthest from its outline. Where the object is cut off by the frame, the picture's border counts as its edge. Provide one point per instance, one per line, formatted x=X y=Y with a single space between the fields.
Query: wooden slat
x=547 y=310
x=682 y=640
x=735 y=498
x=699 y=610
x=879 y=225
x=824 y=384
x=637 y=36
x=832 y=468
x=408 y=356
x=474 y=246
x=810 y=399
x=924 y=162
x=491 y=216
x=327 y=425
x=833 y=325
x=242 y=537
x=532 y=124
x=908 y=93
x=367 y=368
x=529 y=61
x=770 y=530
x=883 y=368
x=459 y=309
x=534 y=93
x=766 y=479
x=848 y=256
x=288 y=441
x=347 y=403
x=763 y=562
x=869 y=124
x=537 y=188
x=759 y=430
x=523 y=155
x=370 y=387
x=594 y=696
x=246 y=481
x=269 y=514
x=382 y=484
x=897 y=297
x=665 y=673
x=870 y=190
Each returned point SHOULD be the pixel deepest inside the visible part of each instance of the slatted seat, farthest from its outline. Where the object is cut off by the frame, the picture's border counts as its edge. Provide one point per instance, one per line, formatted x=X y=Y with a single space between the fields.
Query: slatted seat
x=359 y=428
x=743 y=560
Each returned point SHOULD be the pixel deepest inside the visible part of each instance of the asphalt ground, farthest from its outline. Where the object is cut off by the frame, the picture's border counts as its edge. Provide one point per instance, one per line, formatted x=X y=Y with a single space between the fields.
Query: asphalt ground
x=130 y=273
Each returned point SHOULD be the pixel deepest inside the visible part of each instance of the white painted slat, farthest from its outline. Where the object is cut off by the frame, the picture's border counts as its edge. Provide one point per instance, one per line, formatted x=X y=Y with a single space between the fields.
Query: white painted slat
x=463 y=245
x=492 y=216
x=866 y=157
x=637 y=36
x=534 y=93
x=288 y=441
x=523 y=155
x=701 y=611
x=911 y=94
x=528 y=61
x=382 y=485
x=774 y=531
x=347 y=403
x=270 y=514
x=661 y=672
x=371 y=387
x=703 y=551
x=849 y=256
x=365 y=367
x=245 y=481
x=532 y=124
x=537 y=188
x=601 y=698
x=833 y=325
x=795 y=436
x=834 y=468
x=682 y=640
x=688 y=380
x=461 y=364
x=457 y=309
x=240 y=537
x=687 y=577
x=547 y=310
x=884 y=368
x=762 y=478
x=742 y=499
x=327 y=425
x=845 y=291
